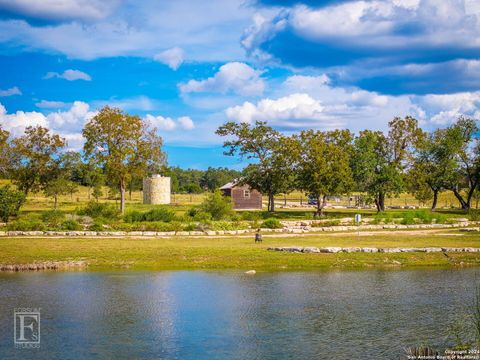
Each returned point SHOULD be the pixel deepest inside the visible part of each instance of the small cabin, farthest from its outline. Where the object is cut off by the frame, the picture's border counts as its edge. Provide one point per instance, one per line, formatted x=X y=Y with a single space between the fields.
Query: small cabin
x=243 y=196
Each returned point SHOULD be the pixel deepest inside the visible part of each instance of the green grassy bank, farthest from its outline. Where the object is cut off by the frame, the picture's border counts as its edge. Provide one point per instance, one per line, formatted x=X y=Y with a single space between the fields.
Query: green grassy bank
x=240 y=252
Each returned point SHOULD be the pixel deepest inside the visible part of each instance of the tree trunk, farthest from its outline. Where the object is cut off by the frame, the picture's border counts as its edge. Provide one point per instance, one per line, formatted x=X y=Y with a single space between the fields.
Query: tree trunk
x=89 y=192
x=271 y=203
x=55 y=202
x=380 y=202
x=122 y=196
x=463 y=203
x=435 y=199
x=321 y=204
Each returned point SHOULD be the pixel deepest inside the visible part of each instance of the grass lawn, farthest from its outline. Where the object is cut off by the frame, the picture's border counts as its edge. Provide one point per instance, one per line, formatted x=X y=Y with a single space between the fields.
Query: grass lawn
x=240 y=252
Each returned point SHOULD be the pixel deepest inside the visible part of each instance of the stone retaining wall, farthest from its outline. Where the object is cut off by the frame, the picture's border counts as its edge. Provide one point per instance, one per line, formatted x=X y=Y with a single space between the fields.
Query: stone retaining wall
x=462 y=227
x=333 y=250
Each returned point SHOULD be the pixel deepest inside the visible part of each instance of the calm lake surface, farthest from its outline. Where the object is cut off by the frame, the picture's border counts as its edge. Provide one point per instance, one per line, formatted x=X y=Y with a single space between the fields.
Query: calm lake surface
x=229 y=315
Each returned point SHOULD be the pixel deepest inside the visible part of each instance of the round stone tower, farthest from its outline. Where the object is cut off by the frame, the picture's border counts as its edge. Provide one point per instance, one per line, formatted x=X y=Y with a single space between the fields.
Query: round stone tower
x=156 y=190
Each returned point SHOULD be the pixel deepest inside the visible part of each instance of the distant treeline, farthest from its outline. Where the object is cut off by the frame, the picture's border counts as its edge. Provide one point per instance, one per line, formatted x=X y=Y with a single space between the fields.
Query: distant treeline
x=121 y=149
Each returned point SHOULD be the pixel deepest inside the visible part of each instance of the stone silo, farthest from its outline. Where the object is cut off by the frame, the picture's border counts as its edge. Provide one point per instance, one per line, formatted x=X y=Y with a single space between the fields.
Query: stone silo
x=156 y=190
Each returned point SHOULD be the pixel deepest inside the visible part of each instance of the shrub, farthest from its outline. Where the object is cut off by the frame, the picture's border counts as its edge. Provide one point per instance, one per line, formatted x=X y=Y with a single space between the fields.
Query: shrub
x=26 y=225
x=272 y=223
x=96 y=226
x=133 y=216
x=202 y=217
x=149 y=226
x=96 y=210
x=71 y=225
x=218 y=206
x=190 y=227
x=193 y=211
x=251 y=215
x=158 y=214
x=52 y=218
x=474 y=215
x=408 y=219
x=10 y=202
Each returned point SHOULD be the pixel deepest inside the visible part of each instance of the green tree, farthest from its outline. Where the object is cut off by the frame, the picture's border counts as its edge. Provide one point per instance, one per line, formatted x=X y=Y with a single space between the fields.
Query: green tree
x=271 y=173
x=462 y=137
x=5 y=153
x=10 y=202
x=55 y=187
x=57 y=180
x=123 y=145
x=35 y=156
x=214 y=178
x=217 y=205
x=323 y=165
x=93 y=177
x=379 y=162
x=433 y=167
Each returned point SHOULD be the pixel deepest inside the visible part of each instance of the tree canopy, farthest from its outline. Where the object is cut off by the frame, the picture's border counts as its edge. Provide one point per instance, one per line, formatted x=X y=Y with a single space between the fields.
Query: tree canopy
x=123 y=145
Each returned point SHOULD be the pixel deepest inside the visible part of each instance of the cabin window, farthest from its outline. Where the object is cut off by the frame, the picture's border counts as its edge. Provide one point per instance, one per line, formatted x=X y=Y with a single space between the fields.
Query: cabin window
x=246 y=194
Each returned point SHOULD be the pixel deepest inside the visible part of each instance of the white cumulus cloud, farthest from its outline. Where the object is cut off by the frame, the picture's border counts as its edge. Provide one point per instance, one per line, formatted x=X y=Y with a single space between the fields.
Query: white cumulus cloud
x=169 y=124
x=186 y=123
x=172 y=57
x=9 y=92
x=67 y=123
x=292 y=111
x=235 y=77
x=69 y=75
x=313 y=102
x=16 y=122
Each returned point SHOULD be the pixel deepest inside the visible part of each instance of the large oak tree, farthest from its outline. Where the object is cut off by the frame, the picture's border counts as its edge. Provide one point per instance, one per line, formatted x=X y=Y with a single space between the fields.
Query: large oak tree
x=271 y=171
x=35 y=155
x=123 y=145
x=323 y=164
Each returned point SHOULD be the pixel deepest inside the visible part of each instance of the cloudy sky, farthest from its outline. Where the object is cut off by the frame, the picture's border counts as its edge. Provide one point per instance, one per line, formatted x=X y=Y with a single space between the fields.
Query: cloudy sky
x=187 y=66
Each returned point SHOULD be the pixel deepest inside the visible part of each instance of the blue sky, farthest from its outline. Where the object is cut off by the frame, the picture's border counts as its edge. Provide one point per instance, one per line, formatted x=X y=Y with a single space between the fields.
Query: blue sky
x=189 y=66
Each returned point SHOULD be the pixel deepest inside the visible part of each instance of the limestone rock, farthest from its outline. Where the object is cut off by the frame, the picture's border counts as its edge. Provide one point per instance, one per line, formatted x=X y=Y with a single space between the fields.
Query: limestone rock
x=331 y=249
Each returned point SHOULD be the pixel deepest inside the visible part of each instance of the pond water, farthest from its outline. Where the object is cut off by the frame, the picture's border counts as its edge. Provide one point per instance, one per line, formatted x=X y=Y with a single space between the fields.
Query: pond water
x=217 y=315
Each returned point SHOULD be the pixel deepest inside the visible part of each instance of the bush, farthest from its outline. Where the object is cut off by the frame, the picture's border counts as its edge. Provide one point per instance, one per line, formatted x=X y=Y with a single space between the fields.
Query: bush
x=53 y=218
x=133 y=216
x=26 y=225
x=218 y=206
x=71 y=225
x=10 y=202
x=149 y=226
x=474 y=215
x=272 y=223
x=202 y=217
x=408 y=219
x=96 y=226
x=251 y=215
x=193 y=211
x=97 y=210
x=158 y=214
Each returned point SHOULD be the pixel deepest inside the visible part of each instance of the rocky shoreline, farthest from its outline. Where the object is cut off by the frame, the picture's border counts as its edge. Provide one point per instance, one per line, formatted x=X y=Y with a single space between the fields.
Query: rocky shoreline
x=334 y=250
x=45 y=265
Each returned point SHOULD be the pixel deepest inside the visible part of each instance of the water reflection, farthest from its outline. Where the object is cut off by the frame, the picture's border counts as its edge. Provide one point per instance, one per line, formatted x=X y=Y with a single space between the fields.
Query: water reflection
x=215 y=315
